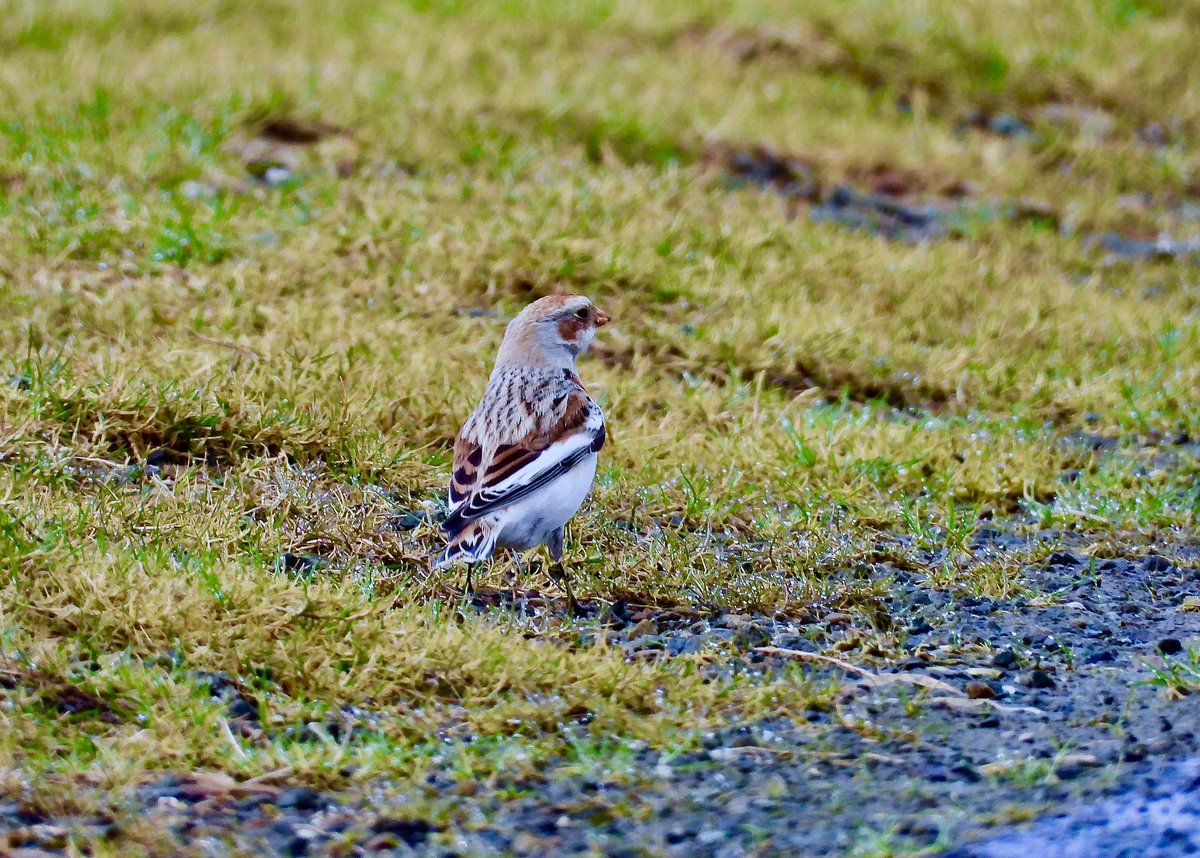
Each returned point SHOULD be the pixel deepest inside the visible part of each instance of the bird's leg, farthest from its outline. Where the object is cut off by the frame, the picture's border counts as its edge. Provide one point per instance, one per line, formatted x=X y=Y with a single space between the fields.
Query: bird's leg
x=470 y=590
x=558 y=572
x=518 y=570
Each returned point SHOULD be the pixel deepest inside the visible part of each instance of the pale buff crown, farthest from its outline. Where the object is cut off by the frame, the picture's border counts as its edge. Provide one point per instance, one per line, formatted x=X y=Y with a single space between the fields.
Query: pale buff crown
x=551 y=333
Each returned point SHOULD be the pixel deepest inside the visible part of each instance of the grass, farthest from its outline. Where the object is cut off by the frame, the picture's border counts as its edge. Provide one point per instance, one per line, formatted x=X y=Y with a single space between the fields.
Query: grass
x=1177 y=677
x=202 y=371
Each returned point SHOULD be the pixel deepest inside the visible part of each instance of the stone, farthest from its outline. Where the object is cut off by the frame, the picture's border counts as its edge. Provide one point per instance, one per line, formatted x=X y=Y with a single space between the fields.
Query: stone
x=1041 y=679
x=1170 y=646
x=980 y=691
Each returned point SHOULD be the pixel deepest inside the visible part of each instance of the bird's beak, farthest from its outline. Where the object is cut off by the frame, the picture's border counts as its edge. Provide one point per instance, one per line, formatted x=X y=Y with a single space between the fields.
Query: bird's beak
x=602 y=318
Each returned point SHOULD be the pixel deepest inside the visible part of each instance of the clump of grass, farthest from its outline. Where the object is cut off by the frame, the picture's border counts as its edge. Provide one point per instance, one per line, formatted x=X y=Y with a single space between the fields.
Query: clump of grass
x=1178 y=677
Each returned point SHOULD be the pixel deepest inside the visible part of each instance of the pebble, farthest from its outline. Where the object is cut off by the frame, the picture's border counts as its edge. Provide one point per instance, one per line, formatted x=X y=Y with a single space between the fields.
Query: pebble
x=1065 y=558
x=1041 y=679
x=412 y=832
x=980 y=691
x=644 y=627
x=1170 y=646
x=299 y=798
x=983 y=673
x=1155 y=563
x=1005 y=658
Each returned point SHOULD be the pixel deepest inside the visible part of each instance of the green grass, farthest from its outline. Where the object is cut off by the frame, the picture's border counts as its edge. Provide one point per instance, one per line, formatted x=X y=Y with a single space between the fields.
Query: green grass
x=784 y=396
x=1178 y=677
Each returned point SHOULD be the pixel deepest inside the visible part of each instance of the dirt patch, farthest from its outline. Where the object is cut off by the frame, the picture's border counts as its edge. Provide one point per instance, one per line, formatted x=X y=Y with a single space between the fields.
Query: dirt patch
x=58 y=695
x=303 y=132
x=788 y=174
x=274 y=149
x=897 y=204
x=491 y=280
x=896 y=391
x=803 y=45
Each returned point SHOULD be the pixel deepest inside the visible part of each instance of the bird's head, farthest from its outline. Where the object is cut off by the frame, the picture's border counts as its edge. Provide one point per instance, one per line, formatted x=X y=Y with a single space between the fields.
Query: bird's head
x=553 y=330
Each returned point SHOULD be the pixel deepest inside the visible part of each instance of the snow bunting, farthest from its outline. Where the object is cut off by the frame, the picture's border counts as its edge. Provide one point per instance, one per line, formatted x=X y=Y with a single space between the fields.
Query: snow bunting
x=526 y=457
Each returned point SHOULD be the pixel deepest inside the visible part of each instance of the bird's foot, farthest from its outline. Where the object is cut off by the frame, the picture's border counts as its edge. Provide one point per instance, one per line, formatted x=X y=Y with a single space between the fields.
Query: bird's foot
x=558 y=574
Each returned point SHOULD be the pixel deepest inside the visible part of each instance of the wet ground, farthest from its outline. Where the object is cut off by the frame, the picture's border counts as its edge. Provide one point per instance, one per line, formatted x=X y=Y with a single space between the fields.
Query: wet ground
x=899 y=207
x=992 y=713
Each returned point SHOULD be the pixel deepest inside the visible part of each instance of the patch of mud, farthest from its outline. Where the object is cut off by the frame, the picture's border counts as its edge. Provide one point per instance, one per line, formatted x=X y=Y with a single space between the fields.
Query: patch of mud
x=898 y=205
x=291 y=130
x=905 y=207
x=789 y=175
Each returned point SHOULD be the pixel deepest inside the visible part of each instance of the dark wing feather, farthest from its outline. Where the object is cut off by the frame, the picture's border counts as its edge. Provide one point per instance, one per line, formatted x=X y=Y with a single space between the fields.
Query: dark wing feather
x=486 y=502
x=477 y=488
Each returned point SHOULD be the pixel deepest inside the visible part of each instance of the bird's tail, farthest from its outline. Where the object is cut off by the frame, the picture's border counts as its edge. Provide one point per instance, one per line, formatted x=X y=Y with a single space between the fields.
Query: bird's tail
x=472 y=543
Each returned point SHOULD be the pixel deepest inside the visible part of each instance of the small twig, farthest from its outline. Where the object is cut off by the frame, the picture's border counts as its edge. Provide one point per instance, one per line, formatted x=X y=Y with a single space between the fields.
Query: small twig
x=725 y=753
x=244 y=351
x=97 y=460
x=238 y=751
x=286 y=771
x=875 y=680
x=983 y=703
x=812 y=656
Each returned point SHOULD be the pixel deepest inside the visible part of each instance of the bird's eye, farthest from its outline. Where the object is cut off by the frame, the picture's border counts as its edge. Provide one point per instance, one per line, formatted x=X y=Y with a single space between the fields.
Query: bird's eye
x=581 y=313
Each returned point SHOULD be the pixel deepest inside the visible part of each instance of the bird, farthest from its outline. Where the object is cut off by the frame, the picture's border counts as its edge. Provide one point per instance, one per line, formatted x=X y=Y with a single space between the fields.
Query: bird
x=525 y=459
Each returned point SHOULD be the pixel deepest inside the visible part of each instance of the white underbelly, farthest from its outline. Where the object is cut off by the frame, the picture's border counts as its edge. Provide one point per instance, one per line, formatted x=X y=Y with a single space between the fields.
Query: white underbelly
x=531 y=521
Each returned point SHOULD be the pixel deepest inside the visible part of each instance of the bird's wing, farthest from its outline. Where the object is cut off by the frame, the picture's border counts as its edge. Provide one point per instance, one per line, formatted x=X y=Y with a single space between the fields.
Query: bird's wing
x=484 y=481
